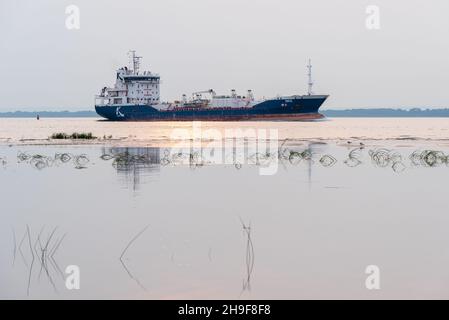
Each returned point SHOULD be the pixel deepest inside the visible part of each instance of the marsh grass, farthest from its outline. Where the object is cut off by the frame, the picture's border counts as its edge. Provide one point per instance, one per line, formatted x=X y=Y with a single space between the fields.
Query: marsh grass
x=249 y=259
x=42 y=253
x=75 y=136
x=122 y=257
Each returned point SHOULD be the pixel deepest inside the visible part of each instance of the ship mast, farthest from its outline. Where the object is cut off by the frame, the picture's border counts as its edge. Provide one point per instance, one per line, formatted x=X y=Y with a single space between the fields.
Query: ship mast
x=309 y=74
x=134 y=61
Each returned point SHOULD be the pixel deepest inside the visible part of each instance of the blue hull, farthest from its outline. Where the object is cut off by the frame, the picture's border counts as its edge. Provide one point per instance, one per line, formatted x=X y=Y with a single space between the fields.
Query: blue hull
x=295 y=108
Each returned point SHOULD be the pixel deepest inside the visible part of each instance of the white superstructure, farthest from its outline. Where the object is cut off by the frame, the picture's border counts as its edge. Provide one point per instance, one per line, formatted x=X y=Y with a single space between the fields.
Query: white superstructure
x=132 y=87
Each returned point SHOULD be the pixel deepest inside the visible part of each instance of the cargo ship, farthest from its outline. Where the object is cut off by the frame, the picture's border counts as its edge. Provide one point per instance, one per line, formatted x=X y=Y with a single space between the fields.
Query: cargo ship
x=136 y=97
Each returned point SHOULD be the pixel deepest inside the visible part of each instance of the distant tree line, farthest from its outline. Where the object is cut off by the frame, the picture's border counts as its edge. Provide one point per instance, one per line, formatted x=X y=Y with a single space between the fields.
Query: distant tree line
x=374 y=112
x=48 y=114
x=387 y=112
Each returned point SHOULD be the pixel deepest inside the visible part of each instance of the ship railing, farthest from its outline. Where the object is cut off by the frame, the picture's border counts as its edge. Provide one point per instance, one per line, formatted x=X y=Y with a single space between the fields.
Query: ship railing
x=101 y=100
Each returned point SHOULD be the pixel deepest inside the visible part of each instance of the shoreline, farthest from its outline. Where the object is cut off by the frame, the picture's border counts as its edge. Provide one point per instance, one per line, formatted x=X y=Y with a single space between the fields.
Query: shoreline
x=205 y=143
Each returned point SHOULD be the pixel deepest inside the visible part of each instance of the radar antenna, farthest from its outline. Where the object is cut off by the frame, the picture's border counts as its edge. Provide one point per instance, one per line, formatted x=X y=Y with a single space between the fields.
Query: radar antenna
x=309 y=74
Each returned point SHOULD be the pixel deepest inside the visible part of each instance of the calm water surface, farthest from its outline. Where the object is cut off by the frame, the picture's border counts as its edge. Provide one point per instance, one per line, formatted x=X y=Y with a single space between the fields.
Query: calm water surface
x=199 y=230
x=161 y=133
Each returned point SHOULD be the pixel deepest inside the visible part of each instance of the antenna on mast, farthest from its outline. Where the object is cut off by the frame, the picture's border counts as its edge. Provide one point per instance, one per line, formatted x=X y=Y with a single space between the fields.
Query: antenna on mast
x=134 y=61
x=310 y=82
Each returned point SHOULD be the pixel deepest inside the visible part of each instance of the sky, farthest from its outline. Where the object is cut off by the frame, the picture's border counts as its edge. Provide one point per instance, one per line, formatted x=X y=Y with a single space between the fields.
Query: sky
x=399 y=60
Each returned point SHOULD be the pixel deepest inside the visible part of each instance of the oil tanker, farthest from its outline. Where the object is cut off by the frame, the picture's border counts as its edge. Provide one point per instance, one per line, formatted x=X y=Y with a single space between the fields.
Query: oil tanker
x=136 y=97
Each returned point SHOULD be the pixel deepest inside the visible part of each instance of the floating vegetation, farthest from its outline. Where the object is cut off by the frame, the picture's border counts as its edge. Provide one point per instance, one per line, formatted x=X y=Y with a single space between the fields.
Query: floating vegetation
x=125 y=159
x=429 y=158
x=134 y=159
x=283 y=153
x=121 y=258
x=165 y=161
x=249 y=257
x=398 y=167
x=193 y=159
x=73 y=136
x=40 y=162
x=22 y=156
x=130 y=162
x=264 y=159
x=81 y=161
x=43 y=249
x=381 y=158
x=384 y=157
x=354 y=157
x=296 y=157
x=63 y=157
x=328 y=161
x=196 y=159
x=106 y=157
x=387 y=158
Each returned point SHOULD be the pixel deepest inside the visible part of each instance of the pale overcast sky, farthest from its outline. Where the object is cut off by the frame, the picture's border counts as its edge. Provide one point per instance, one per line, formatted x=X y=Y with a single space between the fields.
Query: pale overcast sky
x=223 y=44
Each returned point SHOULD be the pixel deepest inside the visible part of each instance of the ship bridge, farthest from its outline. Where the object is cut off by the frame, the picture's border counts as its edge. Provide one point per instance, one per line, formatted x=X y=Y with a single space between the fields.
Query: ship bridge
x=131 y=87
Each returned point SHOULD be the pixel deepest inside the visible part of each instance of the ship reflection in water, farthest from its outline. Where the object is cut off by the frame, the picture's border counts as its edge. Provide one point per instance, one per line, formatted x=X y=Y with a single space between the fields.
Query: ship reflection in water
x=177 y=224
x=133 y=163
x=136 y=163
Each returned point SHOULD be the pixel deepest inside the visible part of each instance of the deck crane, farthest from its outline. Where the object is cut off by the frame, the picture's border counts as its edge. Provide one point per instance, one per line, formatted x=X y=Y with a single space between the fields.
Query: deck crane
x=198 y=94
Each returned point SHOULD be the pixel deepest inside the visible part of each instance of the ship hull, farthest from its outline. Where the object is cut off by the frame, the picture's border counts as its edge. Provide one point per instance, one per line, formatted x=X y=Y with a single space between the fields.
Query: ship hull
x=283 y=109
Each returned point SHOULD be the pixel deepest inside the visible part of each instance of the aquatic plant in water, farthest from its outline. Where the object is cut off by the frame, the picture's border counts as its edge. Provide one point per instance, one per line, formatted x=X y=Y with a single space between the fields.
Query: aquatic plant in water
x=249 y=256
x=429 y=158
x=387 y=158
x=125 y=159
x=122 y=257
x=194 y=159
x=40 y=162
x=328 y=161
x=43 y=250
x=381 y=157
x=354 y=157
